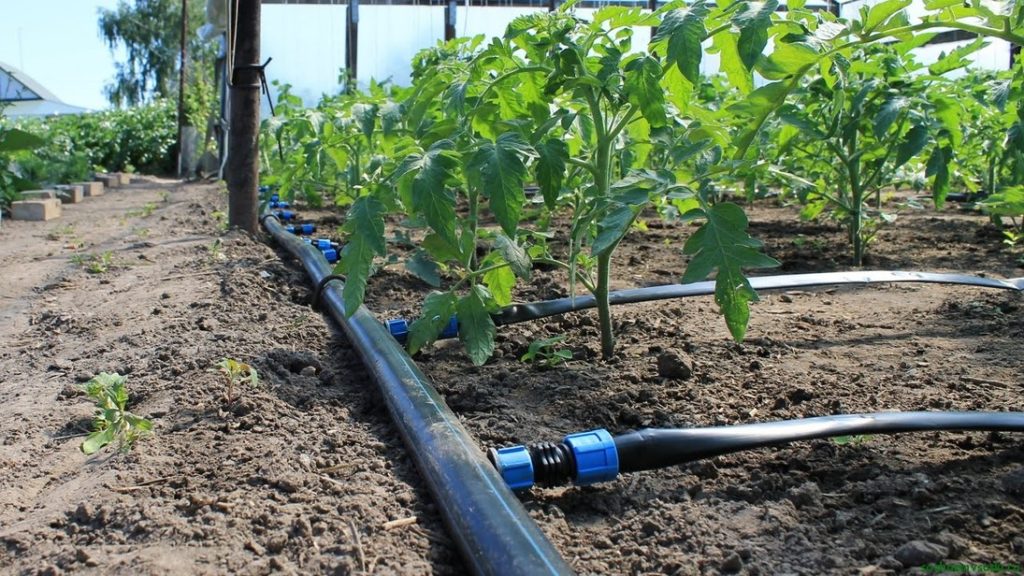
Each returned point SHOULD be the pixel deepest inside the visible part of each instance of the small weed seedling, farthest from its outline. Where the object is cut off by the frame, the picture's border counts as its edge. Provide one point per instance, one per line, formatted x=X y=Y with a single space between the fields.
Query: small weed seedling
x=543 y=352
x=221 y=218
x=112 y=421
x=61 y=232
x=145 y=212
x=165 y=196
x=854 y=440
x=215 y=251
x=94 y=263
x=235 y=374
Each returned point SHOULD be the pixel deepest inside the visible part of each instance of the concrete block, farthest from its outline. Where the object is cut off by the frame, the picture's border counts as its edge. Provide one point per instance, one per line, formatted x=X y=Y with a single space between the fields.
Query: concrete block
x=90 y=188
x=123 y=178
x=38 y=194
x=43 y=209
x=70 y=193
x=109 y=180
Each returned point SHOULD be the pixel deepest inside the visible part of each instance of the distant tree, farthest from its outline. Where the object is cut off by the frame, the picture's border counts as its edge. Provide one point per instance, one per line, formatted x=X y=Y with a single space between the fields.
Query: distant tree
x=149 y=31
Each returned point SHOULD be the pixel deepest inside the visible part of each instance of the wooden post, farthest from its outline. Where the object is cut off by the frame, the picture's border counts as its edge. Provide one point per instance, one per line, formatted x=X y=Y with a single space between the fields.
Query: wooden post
x=243 y=167
x=449 y=20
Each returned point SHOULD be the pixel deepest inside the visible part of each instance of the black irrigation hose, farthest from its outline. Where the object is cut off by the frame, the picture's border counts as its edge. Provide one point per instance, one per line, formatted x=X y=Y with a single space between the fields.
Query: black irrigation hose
x=524 y=312
x=488 y=523
x=596 y=456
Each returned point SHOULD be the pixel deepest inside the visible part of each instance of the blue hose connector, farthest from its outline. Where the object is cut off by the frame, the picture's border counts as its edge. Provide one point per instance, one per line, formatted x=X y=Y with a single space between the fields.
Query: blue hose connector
x=330 y=254
x=597 y=460
x=398 y=328
x=583 y=458
x=301 y=229
x=285 y=215
x=451 y=330
x=278 y=204
x=515 y=466
x=325 y=243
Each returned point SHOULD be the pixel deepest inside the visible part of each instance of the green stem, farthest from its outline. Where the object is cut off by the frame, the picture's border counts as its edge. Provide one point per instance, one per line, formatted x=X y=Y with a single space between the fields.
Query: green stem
x=604 y=309
x=580 y=277
x=474 y=212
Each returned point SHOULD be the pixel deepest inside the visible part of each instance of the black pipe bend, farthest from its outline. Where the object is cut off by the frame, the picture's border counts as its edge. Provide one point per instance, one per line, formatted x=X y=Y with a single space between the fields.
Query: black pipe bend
x=488 y=523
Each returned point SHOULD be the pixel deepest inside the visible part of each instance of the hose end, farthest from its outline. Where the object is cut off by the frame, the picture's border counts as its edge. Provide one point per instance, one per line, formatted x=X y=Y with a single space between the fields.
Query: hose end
x=597 y=460
x=515 y=466
x=399 y=329
x=331 y=255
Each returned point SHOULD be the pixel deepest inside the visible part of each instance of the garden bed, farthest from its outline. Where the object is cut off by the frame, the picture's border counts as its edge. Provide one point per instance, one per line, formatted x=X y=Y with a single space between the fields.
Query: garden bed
x=305 y=472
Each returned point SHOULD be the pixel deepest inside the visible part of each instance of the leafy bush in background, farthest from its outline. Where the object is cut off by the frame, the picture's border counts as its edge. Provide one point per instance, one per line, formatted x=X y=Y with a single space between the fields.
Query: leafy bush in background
x=138 y=139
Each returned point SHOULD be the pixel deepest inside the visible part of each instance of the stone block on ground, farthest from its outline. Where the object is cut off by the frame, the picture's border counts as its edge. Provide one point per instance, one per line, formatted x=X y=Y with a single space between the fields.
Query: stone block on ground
x=109 y=180
x=38 y=194
x=123 y=178
x=70 y=193
x=90 y=188
x=38 y=210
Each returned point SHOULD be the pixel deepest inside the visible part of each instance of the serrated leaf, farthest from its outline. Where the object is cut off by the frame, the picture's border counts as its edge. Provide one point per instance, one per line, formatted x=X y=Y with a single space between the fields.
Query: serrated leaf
x=643 y=77
x=723 y=244
x=365 y=227
x=758 y=105
x=438 y=308
x=888 y=113
x=731 y=63
x=753 y=20
x=424 y=268
x=501 y=173
x=1008 y=203
x=430 y=194
x=366 y=116
x=913 y=142
x=683 y=28
x=500 y=281
x=552 y=157
x=612 y=228
x=948 y=112
x=517 y=258
x=879 y=13
x=957 y=58
x=476 y=327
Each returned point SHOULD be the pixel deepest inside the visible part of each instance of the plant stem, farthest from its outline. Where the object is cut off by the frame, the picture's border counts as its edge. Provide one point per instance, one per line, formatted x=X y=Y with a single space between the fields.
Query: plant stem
x=604 y=309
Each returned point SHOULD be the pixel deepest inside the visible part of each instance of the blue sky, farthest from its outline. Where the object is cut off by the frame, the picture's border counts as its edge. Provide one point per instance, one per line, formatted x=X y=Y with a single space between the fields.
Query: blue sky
x=57 y=42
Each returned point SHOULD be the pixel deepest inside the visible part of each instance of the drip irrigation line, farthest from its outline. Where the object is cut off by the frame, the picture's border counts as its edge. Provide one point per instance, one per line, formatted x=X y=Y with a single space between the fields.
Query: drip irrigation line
x=487 y=522
x=524 y=312
x=596 y=456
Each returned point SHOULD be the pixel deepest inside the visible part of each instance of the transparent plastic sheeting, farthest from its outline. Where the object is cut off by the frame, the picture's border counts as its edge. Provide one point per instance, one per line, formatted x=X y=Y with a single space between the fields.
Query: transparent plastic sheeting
x=524 y=312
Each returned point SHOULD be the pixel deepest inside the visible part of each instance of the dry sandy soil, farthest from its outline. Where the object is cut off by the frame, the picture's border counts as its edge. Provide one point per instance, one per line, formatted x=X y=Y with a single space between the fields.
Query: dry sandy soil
x=304 y=473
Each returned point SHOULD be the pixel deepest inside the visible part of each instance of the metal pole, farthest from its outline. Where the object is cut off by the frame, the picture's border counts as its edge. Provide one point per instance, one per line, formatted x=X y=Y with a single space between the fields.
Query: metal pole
x=181 y=88
x=243 y=146
x=352 y=44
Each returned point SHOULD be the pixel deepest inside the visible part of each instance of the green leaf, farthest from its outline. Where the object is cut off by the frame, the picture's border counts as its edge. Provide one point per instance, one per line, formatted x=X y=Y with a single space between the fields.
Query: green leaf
x=722 y=243
x=913 y=142
x=731 y=63
x=515 y=255
x=753 y=20
x=888 y=113
x=552 y=157
x=683 y=28
x=938 y=166
x=612 y=228
x=643 y=77
x=757 y=106
x=1008 y=203
x=424 y=268
x=365 y=228
x=787 y=59
x=438 y=309
x=98 y=440
x=15 y=140
x=879 y=13
x=500 y=281
x=476 y=328
x=501 y=173
x=947 y=110
x=957 y=58
x=430 y=194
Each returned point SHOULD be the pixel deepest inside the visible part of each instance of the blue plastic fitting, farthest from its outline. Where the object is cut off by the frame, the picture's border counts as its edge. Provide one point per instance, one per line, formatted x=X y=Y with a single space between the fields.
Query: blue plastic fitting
x=324 y=243
x=515 y=466
x=331 y=255
x=279 y=204
x=285 y=215
x=452 y=329
x=597 y=460
x=301 y=229
x=398 y=328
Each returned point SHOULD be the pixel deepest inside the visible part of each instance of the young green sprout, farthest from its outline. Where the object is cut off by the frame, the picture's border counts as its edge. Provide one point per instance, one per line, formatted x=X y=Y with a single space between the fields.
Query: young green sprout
x=112 y=421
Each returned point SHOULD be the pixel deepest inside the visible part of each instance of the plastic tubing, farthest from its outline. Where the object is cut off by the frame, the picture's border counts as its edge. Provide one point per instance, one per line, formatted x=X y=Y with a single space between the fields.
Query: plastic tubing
x=487 y=522
x=523 y=312
x=596 y=456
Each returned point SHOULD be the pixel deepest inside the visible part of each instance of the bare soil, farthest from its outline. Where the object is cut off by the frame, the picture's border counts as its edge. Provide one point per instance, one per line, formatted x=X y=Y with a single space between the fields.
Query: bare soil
x=305 y=473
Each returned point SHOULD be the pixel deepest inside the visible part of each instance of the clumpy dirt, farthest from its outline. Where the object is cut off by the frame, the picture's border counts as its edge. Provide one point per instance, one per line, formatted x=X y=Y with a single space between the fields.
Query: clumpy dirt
x=304 y=473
